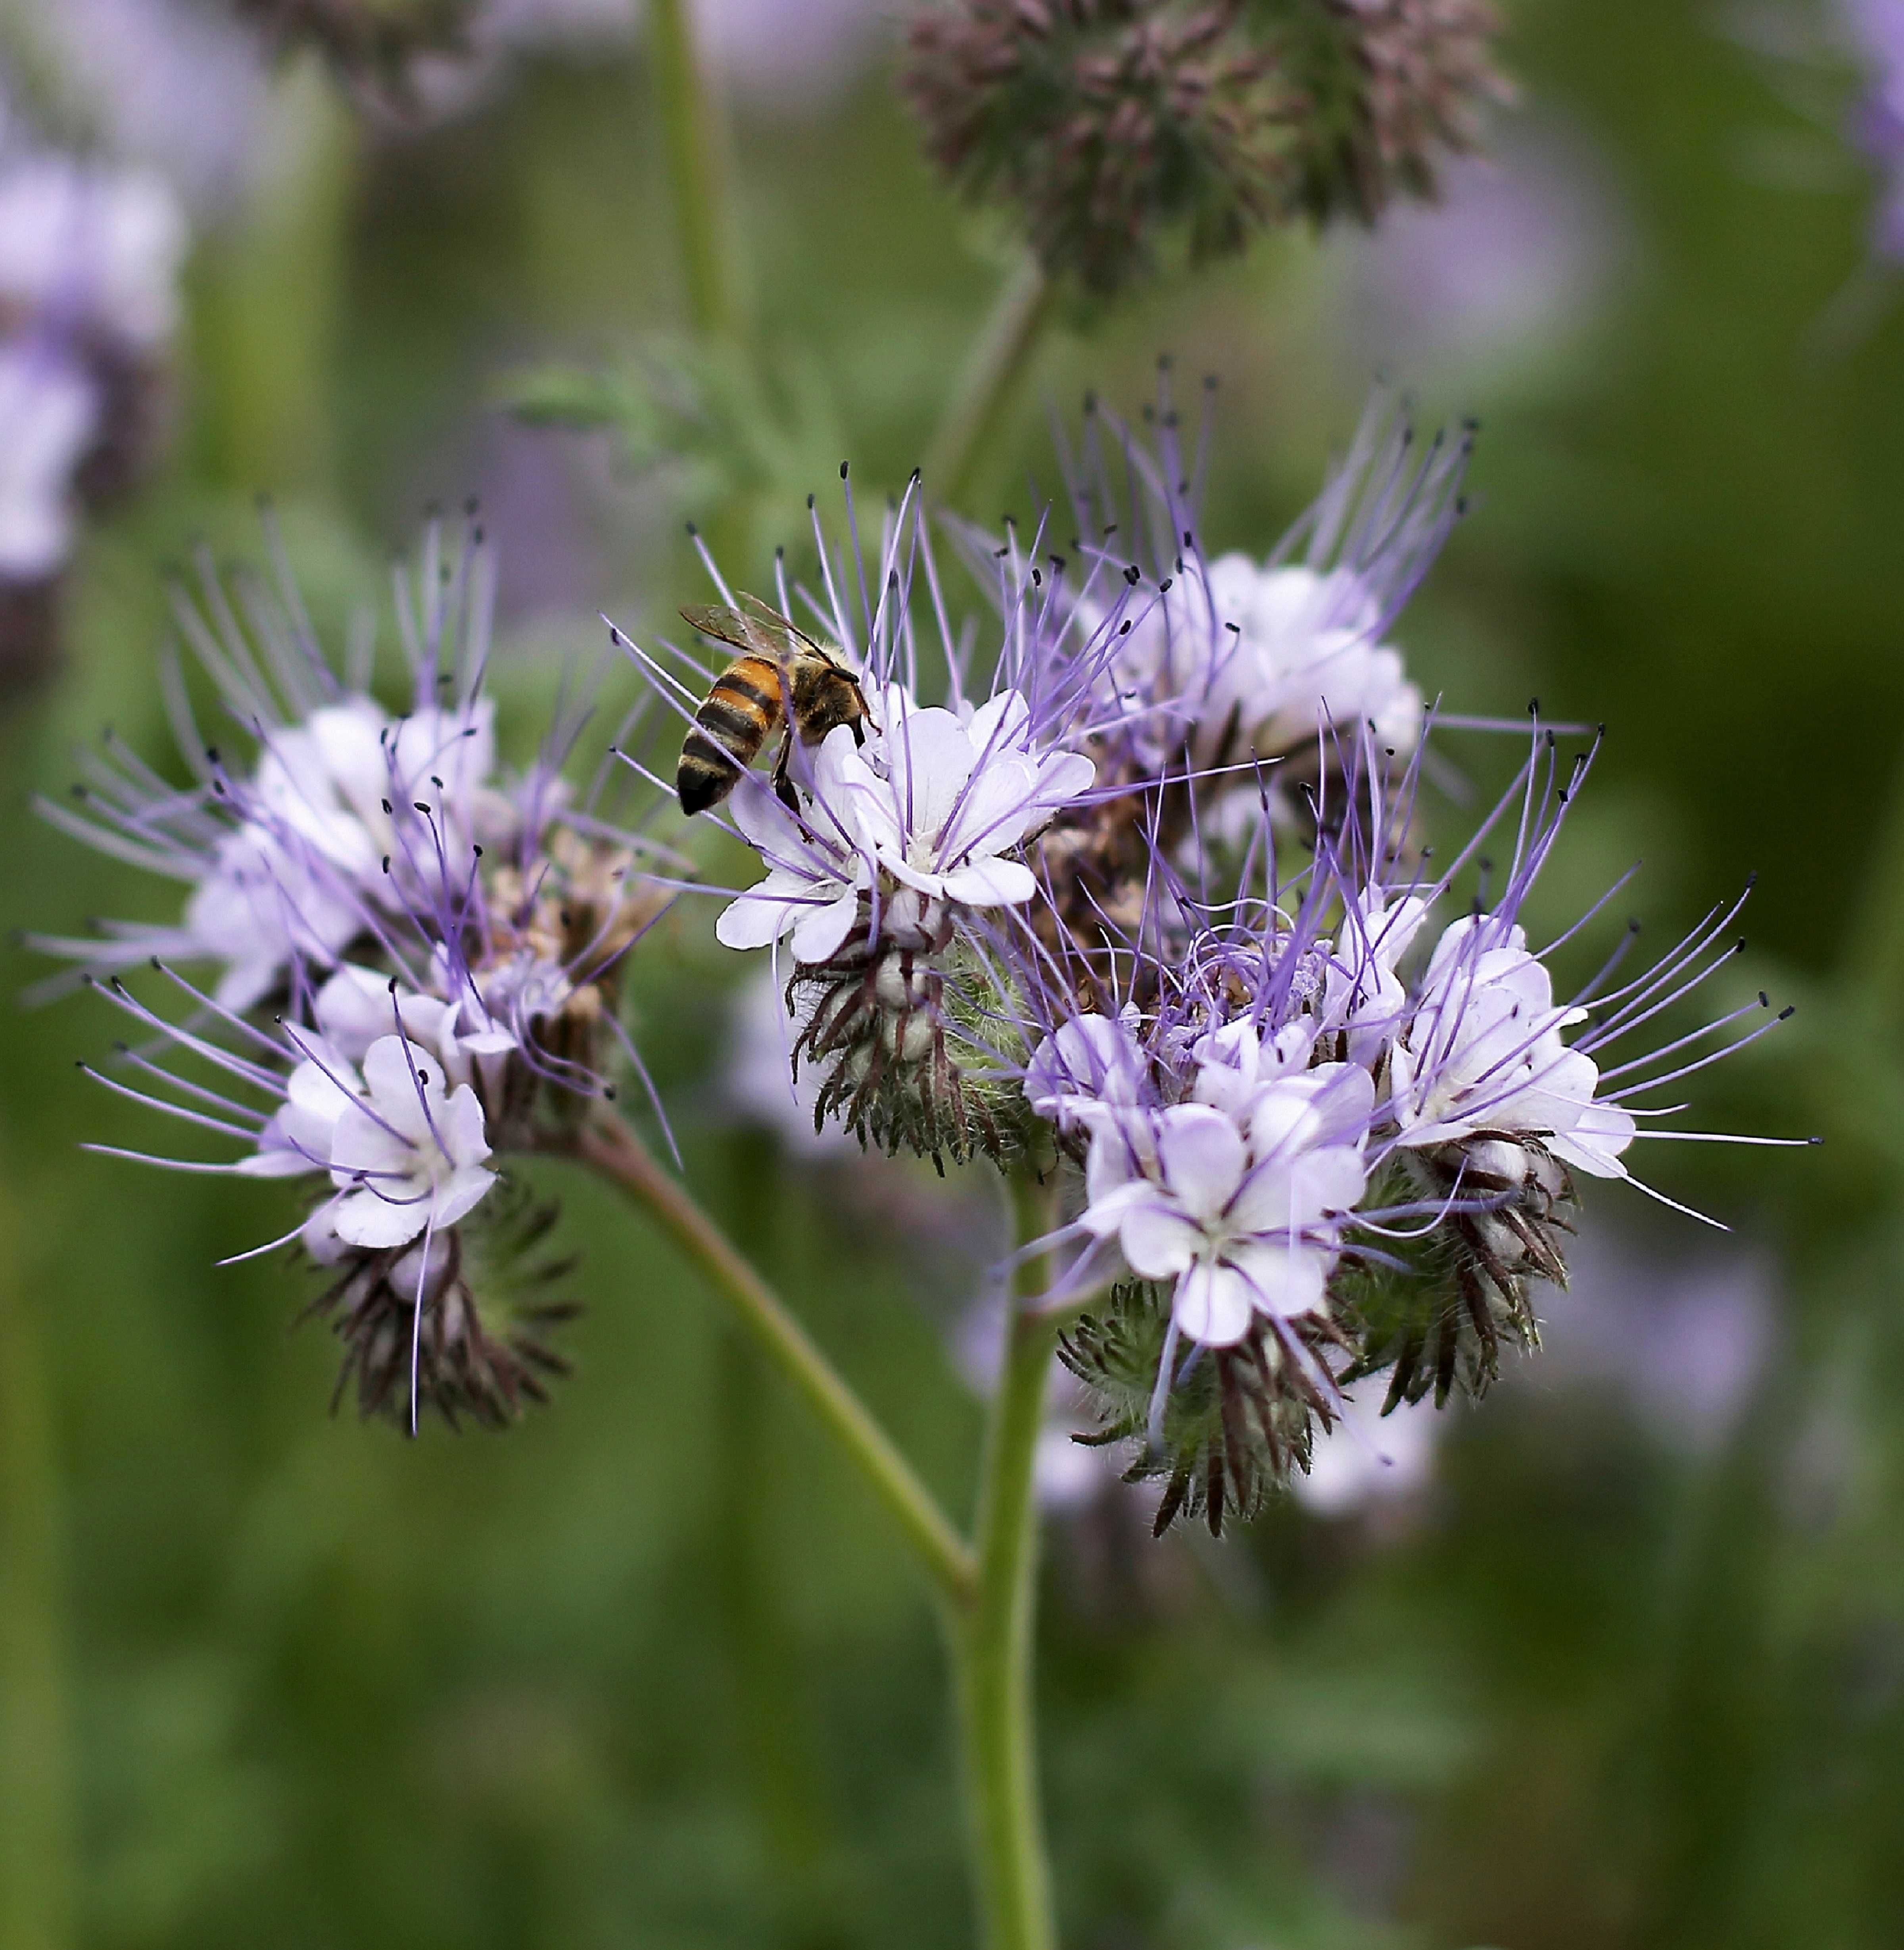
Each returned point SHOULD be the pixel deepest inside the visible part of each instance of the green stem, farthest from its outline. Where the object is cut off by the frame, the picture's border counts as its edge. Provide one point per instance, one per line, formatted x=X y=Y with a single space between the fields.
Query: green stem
x=608 y=1145
x=697 y=173
x=992 y=1638
x=37 y=1883
x=998 y=360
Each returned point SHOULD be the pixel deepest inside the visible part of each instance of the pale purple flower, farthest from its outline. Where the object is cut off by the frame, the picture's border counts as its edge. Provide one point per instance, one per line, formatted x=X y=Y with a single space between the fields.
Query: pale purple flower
x=1482 y=1055
x=1241 y=1214
x=406 y=1157
x=934 y=804
x=1876 y=30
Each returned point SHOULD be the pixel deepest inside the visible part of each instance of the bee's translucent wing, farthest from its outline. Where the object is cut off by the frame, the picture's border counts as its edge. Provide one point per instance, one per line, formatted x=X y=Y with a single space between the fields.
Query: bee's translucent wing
x=730 y=626
x=788 y=634
x=760 y=631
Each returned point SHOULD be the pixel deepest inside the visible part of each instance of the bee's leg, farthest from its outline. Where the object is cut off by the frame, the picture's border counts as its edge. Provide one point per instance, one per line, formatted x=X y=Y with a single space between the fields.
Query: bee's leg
x=783 y=783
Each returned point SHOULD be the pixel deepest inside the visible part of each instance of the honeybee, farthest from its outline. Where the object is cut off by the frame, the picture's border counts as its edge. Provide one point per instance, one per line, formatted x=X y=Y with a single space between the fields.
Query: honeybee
x=783 y=672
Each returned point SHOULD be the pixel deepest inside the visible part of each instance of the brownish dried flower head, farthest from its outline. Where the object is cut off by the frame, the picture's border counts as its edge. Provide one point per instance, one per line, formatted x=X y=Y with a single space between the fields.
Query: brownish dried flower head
x=371 y=42
x=1427 y=77
x=1108 y=123
x=1104 y=120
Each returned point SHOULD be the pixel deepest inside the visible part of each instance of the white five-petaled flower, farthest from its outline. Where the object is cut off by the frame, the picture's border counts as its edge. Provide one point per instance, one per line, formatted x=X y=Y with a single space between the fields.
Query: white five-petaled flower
x=929 y=811
x=1483 y=1053
x=406 y=1156
x=1242 y=1212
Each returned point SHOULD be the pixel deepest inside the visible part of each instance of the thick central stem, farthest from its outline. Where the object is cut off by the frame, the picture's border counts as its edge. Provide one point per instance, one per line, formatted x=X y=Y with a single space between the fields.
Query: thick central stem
x=992 y=1636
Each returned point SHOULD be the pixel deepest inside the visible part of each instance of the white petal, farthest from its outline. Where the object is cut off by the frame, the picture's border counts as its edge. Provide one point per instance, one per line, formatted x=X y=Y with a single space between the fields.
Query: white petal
x=1281 y=1280
x=1159 y=1240
x=1213 y=1306
x=394 y=1069
x=822 y=932
x=1203 y=1156
x=462 y=1193
x=363 y=1219
x=459 y=1124
x=990 y=884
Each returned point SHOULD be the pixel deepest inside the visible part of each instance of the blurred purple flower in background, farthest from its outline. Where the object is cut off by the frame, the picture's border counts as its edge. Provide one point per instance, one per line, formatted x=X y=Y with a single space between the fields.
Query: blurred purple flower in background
x=1515 y=259
x=1876 y=29
x=89 y=259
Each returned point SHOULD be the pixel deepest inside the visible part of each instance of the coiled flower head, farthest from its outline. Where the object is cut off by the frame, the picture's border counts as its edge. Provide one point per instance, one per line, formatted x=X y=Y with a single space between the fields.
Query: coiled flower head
x=414 y=957
x=1107 y=123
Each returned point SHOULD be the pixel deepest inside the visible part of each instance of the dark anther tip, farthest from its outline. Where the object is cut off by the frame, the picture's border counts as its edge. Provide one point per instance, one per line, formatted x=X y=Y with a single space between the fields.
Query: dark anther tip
x=392 y=984
x=386 y=863
x=692 y=530
x=1787 y=1012
x=420 y=805
x=810 y=503
x=842 y=469
x=1765 y=1001
x=388 y=807
x=1533 y=707
x=1164 y=584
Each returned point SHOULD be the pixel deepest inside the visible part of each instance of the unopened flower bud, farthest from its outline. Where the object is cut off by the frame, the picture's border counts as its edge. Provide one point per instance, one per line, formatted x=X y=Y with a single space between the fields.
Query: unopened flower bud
x=1442 y=1323
x=1236 y=1421
x=474 y=1304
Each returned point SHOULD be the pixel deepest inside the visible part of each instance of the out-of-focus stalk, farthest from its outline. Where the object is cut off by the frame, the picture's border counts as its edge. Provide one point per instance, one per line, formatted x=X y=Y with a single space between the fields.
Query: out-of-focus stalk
x=610 y=1148
x=268 y=298
x=992 y=1637
x=36 y=1839
x=986 y=386
x=697 y=169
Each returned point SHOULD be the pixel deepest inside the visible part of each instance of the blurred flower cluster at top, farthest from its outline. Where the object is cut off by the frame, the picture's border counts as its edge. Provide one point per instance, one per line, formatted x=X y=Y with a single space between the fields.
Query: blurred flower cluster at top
x=1107 y=125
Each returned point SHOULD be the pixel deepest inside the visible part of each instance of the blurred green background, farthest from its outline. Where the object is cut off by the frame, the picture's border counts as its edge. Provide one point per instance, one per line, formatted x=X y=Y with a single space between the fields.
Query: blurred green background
x=1627 y=1670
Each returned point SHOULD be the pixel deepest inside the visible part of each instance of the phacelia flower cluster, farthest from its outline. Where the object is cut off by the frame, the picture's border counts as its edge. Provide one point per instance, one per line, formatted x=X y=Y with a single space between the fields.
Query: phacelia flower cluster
x=1110 y=124
x=1127 y=881
x=1155 y=907
x=399 y=962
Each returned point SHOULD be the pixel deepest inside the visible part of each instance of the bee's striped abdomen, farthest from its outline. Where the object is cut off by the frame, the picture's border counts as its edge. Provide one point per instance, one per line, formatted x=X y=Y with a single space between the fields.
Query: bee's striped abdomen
x=728 y=732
